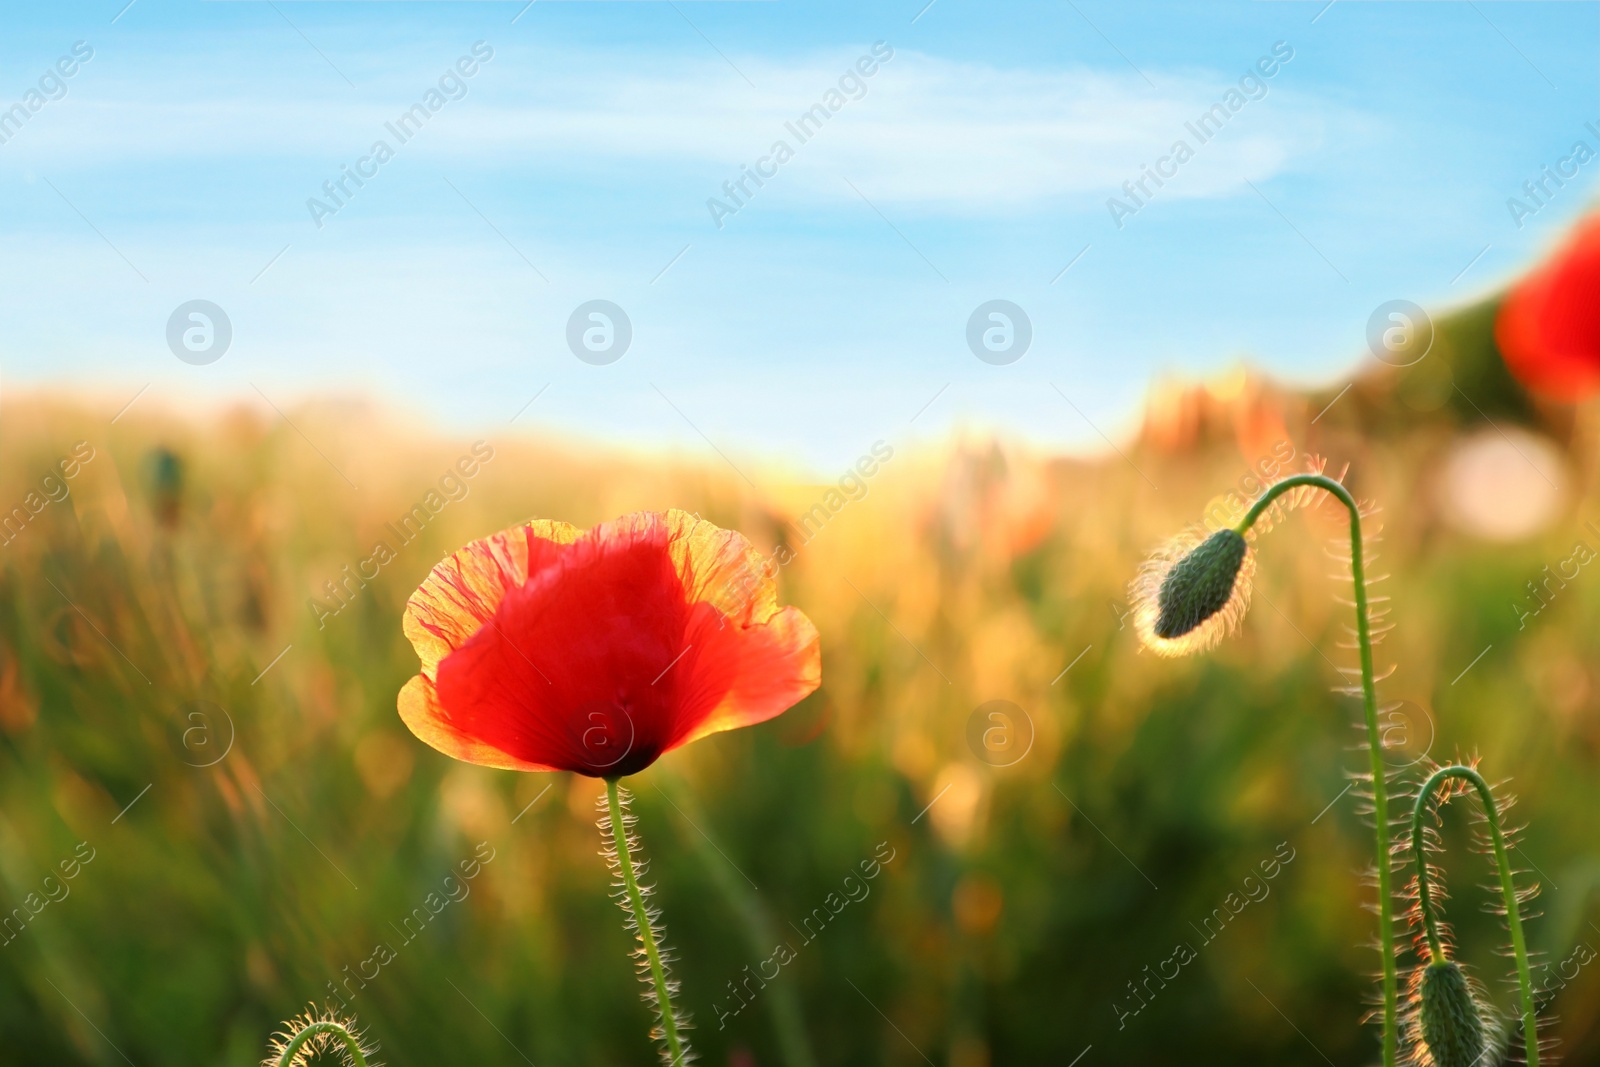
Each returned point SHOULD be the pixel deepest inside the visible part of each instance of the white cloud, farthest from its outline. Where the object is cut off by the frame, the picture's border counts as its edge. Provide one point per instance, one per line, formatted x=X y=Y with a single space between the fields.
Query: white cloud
x=943 y=135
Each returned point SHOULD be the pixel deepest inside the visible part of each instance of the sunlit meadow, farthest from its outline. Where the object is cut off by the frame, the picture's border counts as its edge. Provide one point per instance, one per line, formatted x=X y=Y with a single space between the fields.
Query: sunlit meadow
x=201 y=647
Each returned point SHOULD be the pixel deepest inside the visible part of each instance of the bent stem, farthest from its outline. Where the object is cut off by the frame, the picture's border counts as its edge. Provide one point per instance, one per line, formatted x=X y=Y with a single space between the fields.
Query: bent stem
x=621 y=839
x=1380 y=793
x=316 y=1036
x=1508 y=890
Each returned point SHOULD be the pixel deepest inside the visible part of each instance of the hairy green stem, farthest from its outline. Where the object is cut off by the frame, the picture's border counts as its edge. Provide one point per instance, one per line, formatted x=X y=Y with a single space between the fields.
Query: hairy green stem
x=1508 y=890
x=647 y=931
x=1380 y=792
x=317 y=1029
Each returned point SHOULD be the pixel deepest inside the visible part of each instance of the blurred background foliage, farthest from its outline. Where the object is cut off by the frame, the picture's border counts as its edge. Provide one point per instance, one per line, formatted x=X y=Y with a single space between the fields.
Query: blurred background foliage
x=260 y=823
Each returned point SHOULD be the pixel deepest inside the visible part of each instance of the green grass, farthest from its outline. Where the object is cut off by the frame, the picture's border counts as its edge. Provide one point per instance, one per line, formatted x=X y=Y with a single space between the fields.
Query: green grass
x=1018 y=908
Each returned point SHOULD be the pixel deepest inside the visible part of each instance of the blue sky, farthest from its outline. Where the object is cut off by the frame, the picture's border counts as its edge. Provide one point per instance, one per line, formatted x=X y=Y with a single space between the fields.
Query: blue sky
x=825 y=312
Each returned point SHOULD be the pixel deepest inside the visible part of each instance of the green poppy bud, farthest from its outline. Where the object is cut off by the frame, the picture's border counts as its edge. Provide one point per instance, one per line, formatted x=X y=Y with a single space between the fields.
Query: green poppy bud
x=1452 y=1019
x=1200 y=584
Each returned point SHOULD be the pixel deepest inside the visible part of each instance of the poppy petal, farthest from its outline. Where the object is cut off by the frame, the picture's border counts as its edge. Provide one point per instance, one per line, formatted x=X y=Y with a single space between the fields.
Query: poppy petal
x=773 y=666
x=644 y=633
x=1548 y=329
x=420 y=711
x=462 y=592
x=758 y=660
x=565 y=674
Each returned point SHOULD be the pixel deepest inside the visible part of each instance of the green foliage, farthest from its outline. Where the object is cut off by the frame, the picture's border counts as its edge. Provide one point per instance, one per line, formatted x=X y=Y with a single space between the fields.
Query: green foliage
x=1017 y=910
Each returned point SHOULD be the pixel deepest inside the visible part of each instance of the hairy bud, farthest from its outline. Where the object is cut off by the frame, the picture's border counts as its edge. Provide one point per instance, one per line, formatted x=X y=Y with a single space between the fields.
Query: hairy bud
x=1452 y=1019
x=1192 y=592
x=1200 y=584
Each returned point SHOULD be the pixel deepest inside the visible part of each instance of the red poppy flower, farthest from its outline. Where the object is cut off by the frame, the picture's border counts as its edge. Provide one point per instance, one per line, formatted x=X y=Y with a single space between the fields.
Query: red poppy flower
x=545 y=648
x=1549 y=325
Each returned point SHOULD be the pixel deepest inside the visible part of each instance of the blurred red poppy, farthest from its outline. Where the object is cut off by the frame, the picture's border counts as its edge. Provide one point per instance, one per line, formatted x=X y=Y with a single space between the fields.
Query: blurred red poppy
x=545 y=648
x=1549 y=326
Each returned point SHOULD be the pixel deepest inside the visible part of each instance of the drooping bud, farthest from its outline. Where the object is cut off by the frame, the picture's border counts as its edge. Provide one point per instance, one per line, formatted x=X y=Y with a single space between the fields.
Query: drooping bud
x=1453 y=1024
x=1192 y=592
x=1200 y=584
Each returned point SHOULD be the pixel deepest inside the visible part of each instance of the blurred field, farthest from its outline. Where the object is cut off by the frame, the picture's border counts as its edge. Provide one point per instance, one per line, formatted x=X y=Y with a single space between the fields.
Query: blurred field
x=283 y=823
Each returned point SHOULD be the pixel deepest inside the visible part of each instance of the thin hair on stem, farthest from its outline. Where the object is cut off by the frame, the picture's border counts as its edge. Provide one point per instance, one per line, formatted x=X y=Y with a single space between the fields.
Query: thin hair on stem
x=619 y=844
x=1433 y=936
x=313 y=1032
